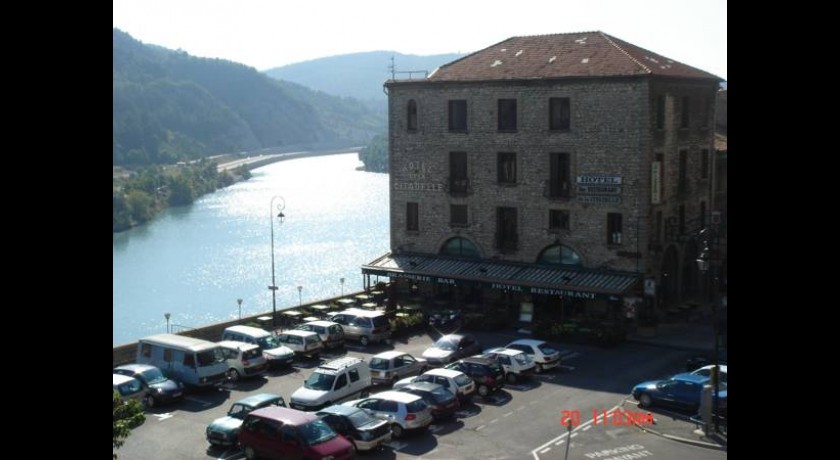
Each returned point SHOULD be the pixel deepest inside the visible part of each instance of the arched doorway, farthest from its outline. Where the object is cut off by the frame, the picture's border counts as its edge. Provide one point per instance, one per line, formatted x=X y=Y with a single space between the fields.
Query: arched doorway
x=559 y=254
x=460 y=247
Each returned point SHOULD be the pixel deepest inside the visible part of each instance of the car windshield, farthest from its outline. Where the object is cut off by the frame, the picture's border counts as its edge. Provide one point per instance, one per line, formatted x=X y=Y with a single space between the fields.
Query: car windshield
x=268 y=342
x=316 y=432
x=445 y=344
x=547 y=349
x=379 y=364
x=319 y=381
x=361 y=418
x=523 y=359
x=152 y=376
x=441 y=394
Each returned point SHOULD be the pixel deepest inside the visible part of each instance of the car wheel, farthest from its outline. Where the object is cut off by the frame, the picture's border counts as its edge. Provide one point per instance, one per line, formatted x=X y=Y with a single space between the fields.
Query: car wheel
x=232 y=375
x=250 y=454
x=645 y=400
x=364 y=341
x=538 y=369
x=397 y=430
x=483 y=391
x=510 y=377
x=365 y=393
x=150 y=401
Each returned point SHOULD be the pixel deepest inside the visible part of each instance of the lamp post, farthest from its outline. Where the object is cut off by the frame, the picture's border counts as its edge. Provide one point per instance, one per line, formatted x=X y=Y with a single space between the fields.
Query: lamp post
x=709 y=237
x=300 y=296
x=239 y=301
x=342 y=286
x=167 y=315
x=280 y=216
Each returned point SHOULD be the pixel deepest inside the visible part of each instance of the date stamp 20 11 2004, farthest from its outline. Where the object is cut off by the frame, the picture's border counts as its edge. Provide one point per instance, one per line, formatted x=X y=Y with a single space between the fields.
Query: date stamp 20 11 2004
x=616 y=417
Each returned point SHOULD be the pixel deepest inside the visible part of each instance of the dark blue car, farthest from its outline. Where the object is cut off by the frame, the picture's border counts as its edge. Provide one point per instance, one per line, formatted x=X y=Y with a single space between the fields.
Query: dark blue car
x=680 y=391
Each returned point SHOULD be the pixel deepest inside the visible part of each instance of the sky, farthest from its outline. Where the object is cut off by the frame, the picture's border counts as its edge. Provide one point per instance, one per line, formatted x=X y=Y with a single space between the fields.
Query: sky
x=272 y=33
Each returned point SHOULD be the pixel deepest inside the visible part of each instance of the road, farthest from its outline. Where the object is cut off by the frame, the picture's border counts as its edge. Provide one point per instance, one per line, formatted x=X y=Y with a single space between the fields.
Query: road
x=520 y=421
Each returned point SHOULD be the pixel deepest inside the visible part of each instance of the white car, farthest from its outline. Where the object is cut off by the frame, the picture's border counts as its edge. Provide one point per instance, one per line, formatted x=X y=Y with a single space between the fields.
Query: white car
x=706 y=371
x=407 y=411
x=457 y=382
x=544 y=355
x=516 y=363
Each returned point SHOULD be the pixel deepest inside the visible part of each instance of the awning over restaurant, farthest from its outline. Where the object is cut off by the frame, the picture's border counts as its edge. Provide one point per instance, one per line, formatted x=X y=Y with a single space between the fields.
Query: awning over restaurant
x=508 y=276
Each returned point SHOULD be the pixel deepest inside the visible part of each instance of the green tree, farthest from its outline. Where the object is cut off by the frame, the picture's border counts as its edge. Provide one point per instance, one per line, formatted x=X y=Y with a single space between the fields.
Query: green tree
x=122 y=212
x=127 y=415
x=181 y=190
x=142 y=205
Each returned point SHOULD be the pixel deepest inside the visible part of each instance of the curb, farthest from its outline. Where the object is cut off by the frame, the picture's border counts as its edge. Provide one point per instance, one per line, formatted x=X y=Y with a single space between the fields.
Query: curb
x=693 y=442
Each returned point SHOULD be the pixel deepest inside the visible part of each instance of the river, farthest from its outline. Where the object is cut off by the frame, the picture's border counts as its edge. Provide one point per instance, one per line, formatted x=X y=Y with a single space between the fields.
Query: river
x=195 y=261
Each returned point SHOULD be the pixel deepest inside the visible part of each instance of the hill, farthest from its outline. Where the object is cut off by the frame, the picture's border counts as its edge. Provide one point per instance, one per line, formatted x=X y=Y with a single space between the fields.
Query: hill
x=169 y=106
x=358 y=75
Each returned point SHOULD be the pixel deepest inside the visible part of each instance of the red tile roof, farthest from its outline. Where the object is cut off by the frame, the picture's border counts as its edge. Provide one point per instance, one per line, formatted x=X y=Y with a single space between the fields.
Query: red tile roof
x=584 y=54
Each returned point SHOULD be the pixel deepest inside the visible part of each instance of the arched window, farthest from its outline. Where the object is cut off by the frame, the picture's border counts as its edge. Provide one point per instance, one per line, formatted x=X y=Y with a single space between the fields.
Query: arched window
x=559 y=254
x=460 y=247
x=412 y=115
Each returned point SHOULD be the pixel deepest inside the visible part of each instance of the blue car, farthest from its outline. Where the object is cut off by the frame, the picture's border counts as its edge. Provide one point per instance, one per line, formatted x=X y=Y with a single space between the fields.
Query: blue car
x=680 y=391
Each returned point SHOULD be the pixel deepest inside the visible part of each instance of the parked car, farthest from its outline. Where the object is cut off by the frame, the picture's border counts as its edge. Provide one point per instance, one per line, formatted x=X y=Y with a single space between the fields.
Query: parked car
x=159 y=389
x=365 y=431
x=443 y=402
x=485 y=372
x=445 y=319
x=450 y=348
x=516 y=363
x=332 y=334
x=455 y=381
x=280 y=432
x=407 y=411
x=698 y=361
x=544 y=355
x=243 y=359
x=363 y=325
x=389 y=366
x=129 y=388
x=303 y=343
x=275 y=353
x=338 y=380
x=681 y=391
x=706 y=371
x=224 y=431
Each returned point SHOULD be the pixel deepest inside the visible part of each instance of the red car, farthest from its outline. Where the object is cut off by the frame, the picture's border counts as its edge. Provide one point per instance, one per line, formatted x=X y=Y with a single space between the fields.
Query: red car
x=280 y=432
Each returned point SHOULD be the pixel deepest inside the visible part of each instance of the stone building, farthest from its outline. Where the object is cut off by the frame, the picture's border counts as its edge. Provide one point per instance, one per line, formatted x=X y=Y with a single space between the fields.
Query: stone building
x=555 y=176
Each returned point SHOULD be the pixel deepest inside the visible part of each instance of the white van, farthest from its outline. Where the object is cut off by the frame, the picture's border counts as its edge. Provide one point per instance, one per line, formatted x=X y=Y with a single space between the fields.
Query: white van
x=193 y=362
x=340 y=380
x=363 y=325
x=275 y=352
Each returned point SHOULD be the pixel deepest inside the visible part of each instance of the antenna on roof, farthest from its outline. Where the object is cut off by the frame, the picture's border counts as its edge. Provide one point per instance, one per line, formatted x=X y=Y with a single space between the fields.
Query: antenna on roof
x=394 y=71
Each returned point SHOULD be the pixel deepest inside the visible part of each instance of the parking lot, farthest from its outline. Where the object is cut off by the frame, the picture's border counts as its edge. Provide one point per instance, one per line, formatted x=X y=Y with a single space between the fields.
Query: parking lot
x=511 y=423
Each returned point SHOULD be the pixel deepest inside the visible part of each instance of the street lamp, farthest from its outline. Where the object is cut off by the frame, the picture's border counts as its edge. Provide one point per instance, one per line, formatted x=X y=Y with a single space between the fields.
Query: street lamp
x=167 y=315
x=709 y=236
x=239 y=301
x=280 y=216
x=300 y=296
x=342 y=286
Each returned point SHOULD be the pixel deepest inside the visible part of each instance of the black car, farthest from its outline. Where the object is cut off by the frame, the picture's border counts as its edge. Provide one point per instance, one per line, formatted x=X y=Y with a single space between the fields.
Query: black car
x=365 y=431
x=487 y=373
x=442 y=401
x=445 y=319
x=160 y=389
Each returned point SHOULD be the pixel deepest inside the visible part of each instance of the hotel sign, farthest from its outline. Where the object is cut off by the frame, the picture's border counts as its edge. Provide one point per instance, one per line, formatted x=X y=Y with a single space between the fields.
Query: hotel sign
x=599 y=189
x=598 y=179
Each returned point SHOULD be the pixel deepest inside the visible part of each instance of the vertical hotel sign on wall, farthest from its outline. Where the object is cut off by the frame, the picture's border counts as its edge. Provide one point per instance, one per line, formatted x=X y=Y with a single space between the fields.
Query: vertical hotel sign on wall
x=656 y=182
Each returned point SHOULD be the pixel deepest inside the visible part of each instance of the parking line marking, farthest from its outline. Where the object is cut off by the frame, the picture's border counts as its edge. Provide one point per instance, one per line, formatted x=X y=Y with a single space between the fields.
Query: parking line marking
x=508 y=414
x=545 y=450
x=494 y=420
x=480 y=427
x=559 y=442
x=199 y=401
x=588 y=427
x=574 y=434
x=163 y=416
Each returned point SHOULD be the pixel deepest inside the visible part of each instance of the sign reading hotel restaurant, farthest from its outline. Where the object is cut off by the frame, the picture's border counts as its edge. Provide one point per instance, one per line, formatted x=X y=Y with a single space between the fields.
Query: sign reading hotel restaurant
x=599 y=189
x=544 y=291
x=598 y=179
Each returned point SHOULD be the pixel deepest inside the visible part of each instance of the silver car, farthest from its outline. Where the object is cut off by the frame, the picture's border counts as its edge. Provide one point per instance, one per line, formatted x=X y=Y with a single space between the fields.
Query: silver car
x=389 y=366
x=407 y=411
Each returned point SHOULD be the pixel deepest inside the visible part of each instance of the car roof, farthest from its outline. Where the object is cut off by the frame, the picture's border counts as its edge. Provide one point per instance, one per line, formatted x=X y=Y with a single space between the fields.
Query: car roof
x=456 y=337
x=284 y=414
x=399 y=396
x=320 y=322
x=119 y=379
x=424 y=386
x=237 y=345
x=360 y=312
x=390 y=354
x=298 y=332
x=478 y=360
x=691 y=378
x=451 y=373
x=136 y=368
x=256 y=400
x=338 y=409
x=504 y=351
x=249 y=330
x=710 y=366
x=532 y=342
